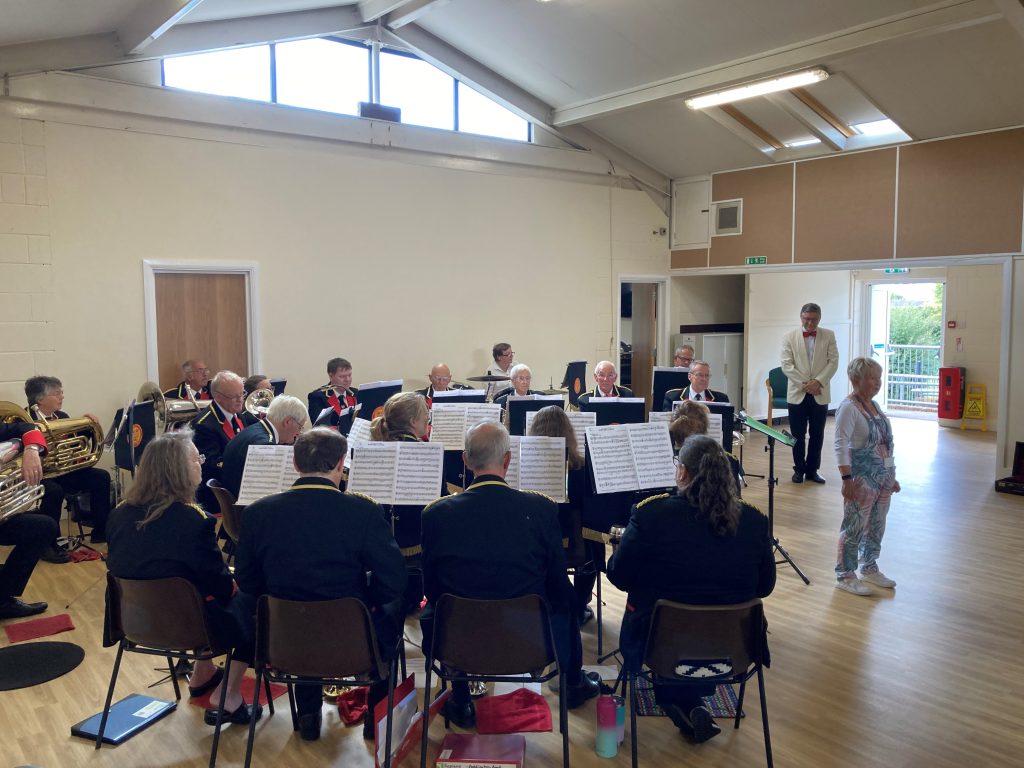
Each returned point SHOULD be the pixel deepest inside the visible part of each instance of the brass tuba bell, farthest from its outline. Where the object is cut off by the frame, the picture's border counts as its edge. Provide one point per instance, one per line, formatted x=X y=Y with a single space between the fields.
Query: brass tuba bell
x=258 y=402
x=170 y=411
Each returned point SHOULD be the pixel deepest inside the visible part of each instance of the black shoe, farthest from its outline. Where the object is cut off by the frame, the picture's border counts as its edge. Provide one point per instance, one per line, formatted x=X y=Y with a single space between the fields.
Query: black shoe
x=586 y=689
x=13 y=608
x=462 y=715
x=814 y=477
x=209 y=685
x=704 y=725
x=241 y=716
x=798 y=477
x=586 y=615
x=97 y=538
x=368 y=726
x=55 y=555
x=309 y=725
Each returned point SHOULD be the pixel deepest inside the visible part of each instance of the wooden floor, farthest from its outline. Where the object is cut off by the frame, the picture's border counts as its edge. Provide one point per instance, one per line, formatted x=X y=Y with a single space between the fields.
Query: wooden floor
x=929 y=676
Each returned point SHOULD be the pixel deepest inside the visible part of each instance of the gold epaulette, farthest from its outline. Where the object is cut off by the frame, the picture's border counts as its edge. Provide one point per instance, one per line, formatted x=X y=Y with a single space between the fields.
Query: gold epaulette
x=653 y=498
x=411 y=551
x=538 y=493
x=198 y=509
x=359 y=495
x=428 y=506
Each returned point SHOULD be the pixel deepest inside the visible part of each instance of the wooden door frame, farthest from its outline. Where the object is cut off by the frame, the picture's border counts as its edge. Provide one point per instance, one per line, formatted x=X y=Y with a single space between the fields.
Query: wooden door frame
x=151 y=268
x=662 y=298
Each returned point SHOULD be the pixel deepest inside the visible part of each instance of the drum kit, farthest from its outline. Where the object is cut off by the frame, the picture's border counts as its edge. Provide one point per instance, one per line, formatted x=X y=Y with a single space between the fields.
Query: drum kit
x=489 y=378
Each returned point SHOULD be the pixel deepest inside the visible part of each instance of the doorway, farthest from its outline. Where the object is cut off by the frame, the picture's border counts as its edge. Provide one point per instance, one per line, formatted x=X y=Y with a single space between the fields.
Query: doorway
x=905 y=337
x=640 y=334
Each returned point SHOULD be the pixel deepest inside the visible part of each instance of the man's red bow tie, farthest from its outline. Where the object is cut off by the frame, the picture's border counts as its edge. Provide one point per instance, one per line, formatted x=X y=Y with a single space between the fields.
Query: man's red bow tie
x=810 y=333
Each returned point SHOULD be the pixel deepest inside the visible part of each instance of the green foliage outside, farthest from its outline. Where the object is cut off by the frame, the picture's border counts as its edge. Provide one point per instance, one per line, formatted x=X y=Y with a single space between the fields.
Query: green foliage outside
x=916 y=323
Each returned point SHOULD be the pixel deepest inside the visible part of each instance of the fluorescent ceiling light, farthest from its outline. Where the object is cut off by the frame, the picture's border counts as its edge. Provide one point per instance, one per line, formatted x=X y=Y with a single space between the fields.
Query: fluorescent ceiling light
x=802 y=143
x=878 y=128
x=784 y=83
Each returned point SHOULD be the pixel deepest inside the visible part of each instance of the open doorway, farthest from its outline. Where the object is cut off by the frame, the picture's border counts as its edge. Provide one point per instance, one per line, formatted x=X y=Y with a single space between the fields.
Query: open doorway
x=905 y=337
x=640 y=332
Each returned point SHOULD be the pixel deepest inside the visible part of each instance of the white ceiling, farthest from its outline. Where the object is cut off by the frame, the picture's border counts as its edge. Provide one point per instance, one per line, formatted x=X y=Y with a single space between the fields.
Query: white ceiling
x=612 y=71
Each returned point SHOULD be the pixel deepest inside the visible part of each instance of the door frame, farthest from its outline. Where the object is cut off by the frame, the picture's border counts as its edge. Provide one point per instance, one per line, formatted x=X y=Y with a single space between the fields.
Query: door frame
x=153 y=267
x=662 y=298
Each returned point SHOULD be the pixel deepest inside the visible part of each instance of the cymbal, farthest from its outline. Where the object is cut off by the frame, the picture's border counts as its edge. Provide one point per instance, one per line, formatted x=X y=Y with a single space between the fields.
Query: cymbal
x=488 y=377
x=555 y=391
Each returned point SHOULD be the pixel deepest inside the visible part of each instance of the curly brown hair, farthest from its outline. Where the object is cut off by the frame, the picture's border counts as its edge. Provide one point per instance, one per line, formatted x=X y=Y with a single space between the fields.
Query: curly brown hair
x=712 y=487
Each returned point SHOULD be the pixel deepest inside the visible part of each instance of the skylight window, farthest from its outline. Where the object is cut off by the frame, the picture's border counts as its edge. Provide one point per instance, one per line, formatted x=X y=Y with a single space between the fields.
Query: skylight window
x=802 y=143
x=883 y=127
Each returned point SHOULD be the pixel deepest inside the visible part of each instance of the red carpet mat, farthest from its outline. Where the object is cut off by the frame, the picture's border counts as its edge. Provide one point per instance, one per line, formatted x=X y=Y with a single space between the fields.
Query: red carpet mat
x=30 y=630
x=520 y=711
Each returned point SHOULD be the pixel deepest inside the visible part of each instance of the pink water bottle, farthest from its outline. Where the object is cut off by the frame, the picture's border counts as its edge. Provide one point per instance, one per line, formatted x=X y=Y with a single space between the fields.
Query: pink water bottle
x=607 y=743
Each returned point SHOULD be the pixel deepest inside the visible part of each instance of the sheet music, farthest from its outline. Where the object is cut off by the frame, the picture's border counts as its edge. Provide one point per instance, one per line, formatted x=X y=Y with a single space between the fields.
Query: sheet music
x=542 y=466
x=373 y=471
x=715 y=427
x=652 y=452
x=612 y=458
x=398 y=473
x=449 y=421
x=661 y=417
x=458 y=394
x=580 y=420
x=480 y=412
x=378 y=384
x=512 y=473
x=268 y=469
x=359 y=433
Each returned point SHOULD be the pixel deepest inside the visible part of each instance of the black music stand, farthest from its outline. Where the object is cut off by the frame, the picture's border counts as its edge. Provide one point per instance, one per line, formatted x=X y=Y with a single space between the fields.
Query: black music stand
x=517 y=410
x=575 y=379
x=136 y=427
x=790 y=441
x=615 y=410
x=666 y=379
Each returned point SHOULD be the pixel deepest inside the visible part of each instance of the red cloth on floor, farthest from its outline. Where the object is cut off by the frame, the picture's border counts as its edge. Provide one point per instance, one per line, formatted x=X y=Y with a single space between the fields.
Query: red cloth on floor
x=81 y=555
x=352 y=705
x=30 y=630
x=516 y=712
x=248 y=684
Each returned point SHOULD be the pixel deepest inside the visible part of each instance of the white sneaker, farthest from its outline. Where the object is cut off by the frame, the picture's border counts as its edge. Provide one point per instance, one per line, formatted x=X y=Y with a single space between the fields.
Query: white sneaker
x=879 y=579
x=853 y=585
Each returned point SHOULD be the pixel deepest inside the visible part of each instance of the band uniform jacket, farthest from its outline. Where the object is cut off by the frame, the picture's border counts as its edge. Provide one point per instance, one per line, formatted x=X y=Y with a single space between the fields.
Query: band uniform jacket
x=428 y=391
x=27 y=433
x=211 y=433
x=320 y=398
x=799 y=369
x=493 y=542
x=180 y=392
x=502 y=397
x=313 y=542
x=619 y=392
x=681 y=394
x=237 y=449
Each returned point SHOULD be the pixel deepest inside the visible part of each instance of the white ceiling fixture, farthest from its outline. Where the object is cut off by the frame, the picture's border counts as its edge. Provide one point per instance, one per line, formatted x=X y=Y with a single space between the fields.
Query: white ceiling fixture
x=761 y=88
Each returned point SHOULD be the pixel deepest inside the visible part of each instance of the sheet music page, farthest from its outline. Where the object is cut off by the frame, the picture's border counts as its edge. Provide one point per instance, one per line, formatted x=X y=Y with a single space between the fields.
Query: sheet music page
x=652 y=452
x=359 y=433
x=542 y=466
x=512 y=473
x=373 y=471
x=480 y=412
x=580 y=420
x=268 y=469
x=448 y=425
x=660 y=417
x=455 y=395
x=378 y=384
x=612 y=458
x=715 y=427
x=418 y=472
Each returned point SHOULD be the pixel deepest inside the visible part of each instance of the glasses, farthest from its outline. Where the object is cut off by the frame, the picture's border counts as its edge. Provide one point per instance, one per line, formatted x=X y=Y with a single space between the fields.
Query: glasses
x=676 y=461
x=684 y=360
x=699 y=375
x=510 y=353
x=441 y=378
x=228 y=396
x=200 y=458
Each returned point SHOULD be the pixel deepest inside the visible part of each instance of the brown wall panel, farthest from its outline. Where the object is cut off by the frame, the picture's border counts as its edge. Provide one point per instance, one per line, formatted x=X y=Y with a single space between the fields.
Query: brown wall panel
x=767 y=215
x=961 y=196
x=697 y=257
x=845 y=207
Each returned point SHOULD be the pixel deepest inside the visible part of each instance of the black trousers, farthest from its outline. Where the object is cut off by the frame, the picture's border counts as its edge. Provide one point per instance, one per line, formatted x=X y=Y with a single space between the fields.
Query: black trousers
x=807 y=425
x=92 y=480
x=30 y=534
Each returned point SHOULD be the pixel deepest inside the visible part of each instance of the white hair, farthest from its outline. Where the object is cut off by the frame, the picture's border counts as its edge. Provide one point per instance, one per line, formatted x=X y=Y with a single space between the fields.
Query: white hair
x=287 y=406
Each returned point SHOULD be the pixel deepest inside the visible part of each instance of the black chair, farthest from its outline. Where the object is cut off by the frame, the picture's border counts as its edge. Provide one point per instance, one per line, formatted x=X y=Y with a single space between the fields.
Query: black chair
x=728 y=641
x=161 y=617
x=325 y=642
x=493 y=641
x=230 y=515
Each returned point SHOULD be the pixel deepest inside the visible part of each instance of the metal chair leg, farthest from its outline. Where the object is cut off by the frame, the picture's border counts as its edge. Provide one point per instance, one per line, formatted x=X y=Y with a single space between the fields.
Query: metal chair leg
x=252 y=722
x=739 y=702
x=425 y=735
x=597 y=614
x=563 y=714
x=764 y=715
x=220 y=709
x=270 y=696
x=110 y=695
x=630 y=695
x=174 y=678
x=392 y=674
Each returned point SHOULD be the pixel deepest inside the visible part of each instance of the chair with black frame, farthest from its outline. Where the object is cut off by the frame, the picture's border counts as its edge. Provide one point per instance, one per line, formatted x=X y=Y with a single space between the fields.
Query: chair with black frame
x=518 y=641
x=729 y=641
x=324 y=642
x=776 y=384
x=230 y=515
x=161 y=617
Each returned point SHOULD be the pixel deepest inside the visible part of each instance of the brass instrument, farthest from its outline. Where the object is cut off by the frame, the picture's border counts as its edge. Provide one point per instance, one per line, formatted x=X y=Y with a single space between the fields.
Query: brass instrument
x=71 y=444
x=171 y=412
x=16 y=496
x=258 y=402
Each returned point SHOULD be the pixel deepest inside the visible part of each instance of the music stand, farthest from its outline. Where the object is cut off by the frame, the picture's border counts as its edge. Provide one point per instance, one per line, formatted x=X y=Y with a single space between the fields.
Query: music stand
x=278 y=386
x=518 y=408
x=615 y=410
x=666 y=379
x=137 y=426
x=787 y=440
x=574 y=380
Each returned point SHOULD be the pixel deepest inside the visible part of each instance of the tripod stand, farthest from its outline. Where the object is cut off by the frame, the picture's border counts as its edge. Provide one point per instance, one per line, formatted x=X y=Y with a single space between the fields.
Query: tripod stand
x=785 y=439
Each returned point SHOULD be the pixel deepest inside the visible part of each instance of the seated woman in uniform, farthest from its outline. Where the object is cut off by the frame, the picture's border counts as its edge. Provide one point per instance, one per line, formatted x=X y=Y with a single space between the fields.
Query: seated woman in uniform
x=700 y=545
x=521 y=377
x=692 y=419
x=160 y=532
x=405 y=418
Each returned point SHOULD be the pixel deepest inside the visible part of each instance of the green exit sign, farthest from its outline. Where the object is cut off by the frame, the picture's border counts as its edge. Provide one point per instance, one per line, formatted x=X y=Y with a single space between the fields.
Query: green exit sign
x=896 y=270
x=755 y=260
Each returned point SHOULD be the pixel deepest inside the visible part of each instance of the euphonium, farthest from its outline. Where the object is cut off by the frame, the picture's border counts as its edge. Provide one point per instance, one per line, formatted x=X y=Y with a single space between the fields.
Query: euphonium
x=258 y=402
x=170 y=411
x=16 y=495
x=71 y=444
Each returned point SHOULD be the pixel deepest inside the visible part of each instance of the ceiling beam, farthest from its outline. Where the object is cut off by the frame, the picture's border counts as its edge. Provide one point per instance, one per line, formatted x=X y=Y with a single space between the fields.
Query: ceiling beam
x=398 y=12
x=62 y=53
x=150 y=20
x=807 y=116
x=740 y=130
x=940 y=17
x=1013 y=12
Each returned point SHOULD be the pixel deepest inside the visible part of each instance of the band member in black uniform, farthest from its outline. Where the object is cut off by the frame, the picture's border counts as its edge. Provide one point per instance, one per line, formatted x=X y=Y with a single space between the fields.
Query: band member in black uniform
x=337 y=394
x=196 y=385
x=692 y=419
x=405 y=419
x=285 y=419
x=314 y=542
x=29 y=533
x=257 y=381
x=217 y=425
x=160 y=532
x=45 y=396
x=605 y=377
x=698 y=545
x=520 y=377
x=492 y=542
x=700 y=378
x=440 y=381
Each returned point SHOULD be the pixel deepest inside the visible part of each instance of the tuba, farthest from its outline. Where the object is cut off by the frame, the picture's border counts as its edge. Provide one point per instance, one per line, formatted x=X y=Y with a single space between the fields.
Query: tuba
x=16 y=495
x=70 y=443
x=258 y=402
x=169 y=411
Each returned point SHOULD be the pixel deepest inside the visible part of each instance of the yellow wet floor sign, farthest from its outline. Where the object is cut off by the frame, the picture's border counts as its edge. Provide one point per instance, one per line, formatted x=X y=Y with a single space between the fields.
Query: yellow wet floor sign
x=974 y=406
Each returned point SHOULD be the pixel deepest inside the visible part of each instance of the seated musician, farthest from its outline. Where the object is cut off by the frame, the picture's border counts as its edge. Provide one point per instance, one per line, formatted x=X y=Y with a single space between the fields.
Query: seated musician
x=503 y=355
x=440 y=381
x=159 y=532
x=683 y=358
x=45 y=396
x=337 y=394
x=492 y=542
x=520 y=376
x=196 y=384
x=256 y=381
x=700 y=378
x=692 y=419
x=605 y=377
x=29 y=533
x=699 y=545
x=285 y=419
x=342 y=537
x=215 y=426
x=405 y=419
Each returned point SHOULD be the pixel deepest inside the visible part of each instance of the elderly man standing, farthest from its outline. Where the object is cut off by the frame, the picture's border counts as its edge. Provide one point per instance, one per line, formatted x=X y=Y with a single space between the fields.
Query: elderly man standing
x=492 y=542
x=216 y=426
x=196 y=385
x=605 y=377
x=810 y=358
x=286 y=417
